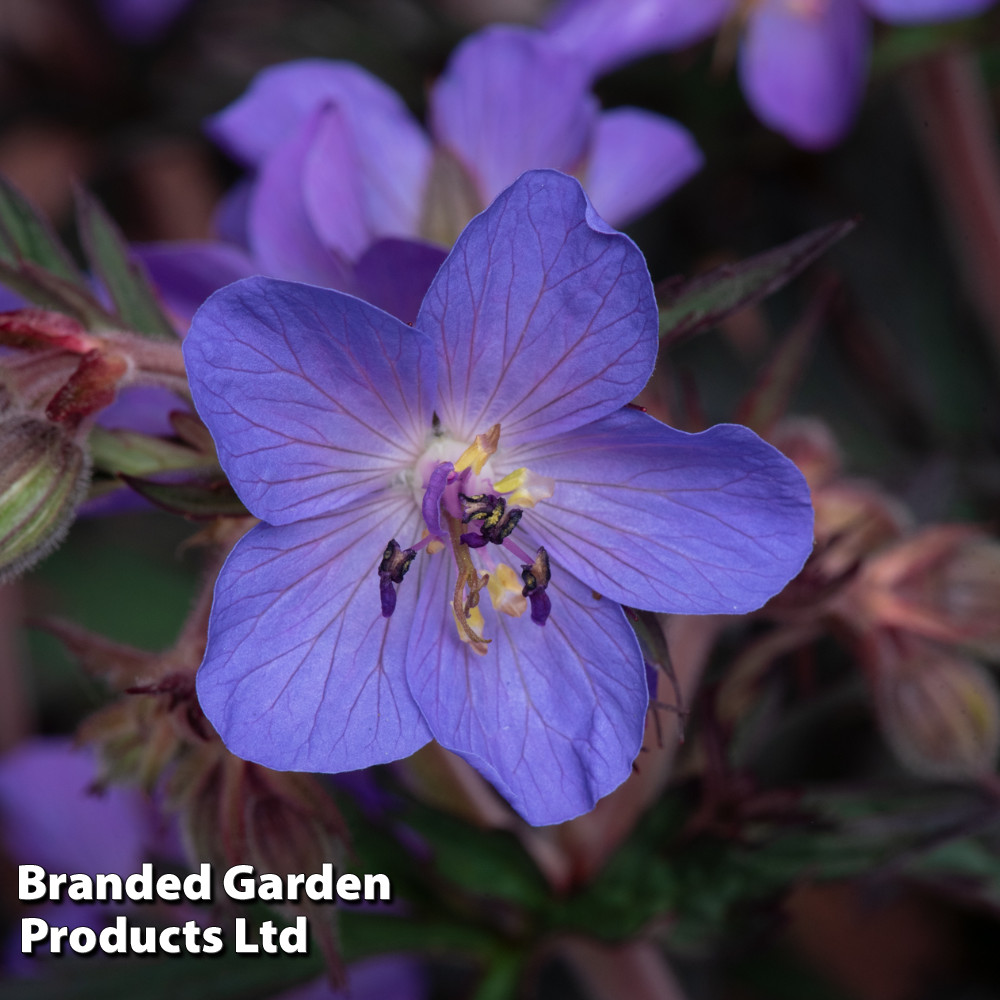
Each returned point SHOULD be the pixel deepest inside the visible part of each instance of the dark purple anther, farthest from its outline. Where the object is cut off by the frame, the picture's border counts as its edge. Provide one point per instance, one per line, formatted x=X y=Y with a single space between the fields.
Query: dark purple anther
x=391 y=570
x=536 y=578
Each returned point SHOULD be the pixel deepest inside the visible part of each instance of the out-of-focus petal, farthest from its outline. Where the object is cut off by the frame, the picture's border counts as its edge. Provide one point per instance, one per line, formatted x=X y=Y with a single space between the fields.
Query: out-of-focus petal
x=910 y=11
x=141 y=21
x=185 y=273
x=280 y=227
x=301 y=671
x=803 y=68
x=543 y=315
x=230 y=220
x=142 y=408
x=647 y=515
x=508 y=102
x=553 y=714
x=50 y=817
x=281 y=98
x=636 y=159
x=395 y=275
x=314 y=398
x=608 y=33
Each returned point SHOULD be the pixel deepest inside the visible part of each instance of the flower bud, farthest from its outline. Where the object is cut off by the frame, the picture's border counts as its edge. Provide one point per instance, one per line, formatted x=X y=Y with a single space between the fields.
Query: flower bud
x=42 y=480
x=810 y=444
x=940 y=714
x=943 y=583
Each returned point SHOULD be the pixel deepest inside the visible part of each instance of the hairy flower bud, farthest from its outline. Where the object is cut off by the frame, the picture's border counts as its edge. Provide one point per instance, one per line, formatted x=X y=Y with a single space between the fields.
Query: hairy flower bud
x=42 y=480
x=940 y=714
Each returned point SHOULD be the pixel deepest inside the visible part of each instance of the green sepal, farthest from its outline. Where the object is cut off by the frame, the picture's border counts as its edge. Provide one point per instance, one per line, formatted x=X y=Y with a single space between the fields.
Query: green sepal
x=690 y=306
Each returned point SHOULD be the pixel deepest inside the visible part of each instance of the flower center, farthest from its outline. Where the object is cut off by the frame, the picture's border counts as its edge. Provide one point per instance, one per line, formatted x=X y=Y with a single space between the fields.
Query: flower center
x=466 y=511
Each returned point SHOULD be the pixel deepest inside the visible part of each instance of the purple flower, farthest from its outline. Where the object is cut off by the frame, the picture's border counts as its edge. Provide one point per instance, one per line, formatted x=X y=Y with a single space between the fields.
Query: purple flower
x=341 y=164
x=803 y=63
x=453 y=514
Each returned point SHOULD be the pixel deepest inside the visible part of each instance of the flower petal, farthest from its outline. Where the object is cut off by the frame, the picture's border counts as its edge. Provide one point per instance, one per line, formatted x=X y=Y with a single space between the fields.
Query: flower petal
x=186 y=272
x=280 y=225
x=314 y=398
x=636 y=159
x=508 y=102
x=716 y=522
x=46 y=791
x=803 y=72
x=543 y=315
x=301 y=671
x=395 y=275
x=281 y=98
x=911 y=11
x=608 y=33
x=552 y=715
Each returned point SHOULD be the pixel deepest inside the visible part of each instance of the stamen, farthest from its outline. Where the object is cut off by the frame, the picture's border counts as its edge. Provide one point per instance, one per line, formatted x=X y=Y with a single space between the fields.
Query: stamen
x=505 y=592
x=479 y=451
x=536 y=576
x=525 y=487
x=391 y=570
x=498 y=520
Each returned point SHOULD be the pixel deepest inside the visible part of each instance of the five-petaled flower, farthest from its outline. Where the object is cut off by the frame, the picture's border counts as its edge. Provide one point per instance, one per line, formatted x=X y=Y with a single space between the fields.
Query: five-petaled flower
x=453 y=514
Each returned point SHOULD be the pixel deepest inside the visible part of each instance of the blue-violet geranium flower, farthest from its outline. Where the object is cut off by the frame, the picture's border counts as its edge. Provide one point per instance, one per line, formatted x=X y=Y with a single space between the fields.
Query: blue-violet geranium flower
x=454 y=513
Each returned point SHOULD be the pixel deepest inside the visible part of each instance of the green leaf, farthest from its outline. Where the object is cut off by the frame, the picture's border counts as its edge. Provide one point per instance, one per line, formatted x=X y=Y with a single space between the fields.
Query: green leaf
x=134 y=454
x=363 y=934
x=51 y=291
x=490 y=863
x=500 y=982
x=697 y=304
x=197 y=496
x=25 y=236
x=123 y=277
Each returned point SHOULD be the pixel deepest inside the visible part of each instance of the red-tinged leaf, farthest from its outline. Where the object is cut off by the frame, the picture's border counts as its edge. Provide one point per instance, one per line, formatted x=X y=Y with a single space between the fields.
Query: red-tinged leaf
x=36 y=328
x=198 y=496
x=51 y=291
x=692 y=306
x=90 y=388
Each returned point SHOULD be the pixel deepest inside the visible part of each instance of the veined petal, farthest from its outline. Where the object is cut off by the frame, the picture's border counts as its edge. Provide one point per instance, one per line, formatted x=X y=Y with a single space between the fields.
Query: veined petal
x=282 y=97
x=636 y=159
x=509 y=101
x=314 y=398
x=280 y=226
x=186 y=272
x=804 y=71
x=710 y=523
x=911 y=11
x=301 y=671
x=608 y=33
x=543 y=315
x=552 y=715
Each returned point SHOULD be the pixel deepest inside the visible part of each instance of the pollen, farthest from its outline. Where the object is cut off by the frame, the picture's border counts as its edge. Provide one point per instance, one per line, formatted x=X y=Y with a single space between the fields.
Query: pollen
x=504 y=588
x=475 y=456
x=525 y=487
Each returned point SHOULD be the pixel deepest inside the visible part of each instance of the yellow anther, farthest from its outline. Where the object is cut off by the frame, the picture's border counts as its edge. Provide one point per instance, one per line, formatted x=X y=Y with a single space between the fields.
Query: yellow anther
x=479 y=451
x=434 y=545
x=525 y=487
x=505 y=587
